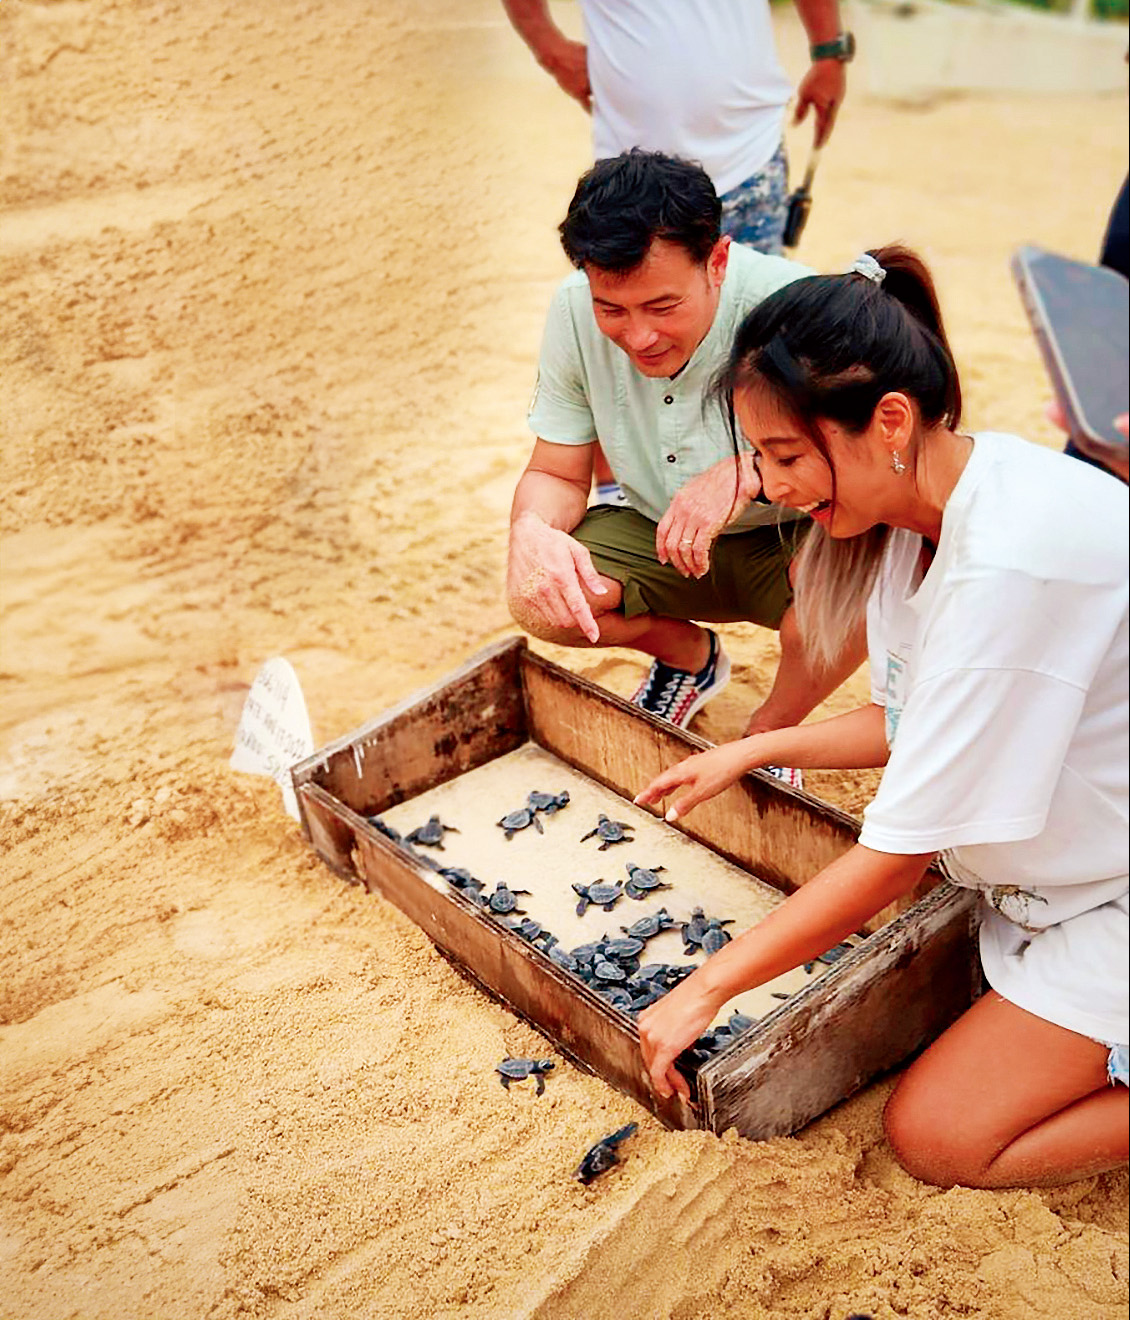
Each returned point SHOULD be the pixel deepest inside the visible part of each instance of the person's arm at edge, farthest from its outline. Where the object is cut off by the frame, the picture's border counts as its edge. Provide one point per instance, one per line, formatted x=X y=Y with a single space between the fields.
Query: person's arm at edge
x=566 y=61
x=831 y=906
x=824 y=86
x=854 y=741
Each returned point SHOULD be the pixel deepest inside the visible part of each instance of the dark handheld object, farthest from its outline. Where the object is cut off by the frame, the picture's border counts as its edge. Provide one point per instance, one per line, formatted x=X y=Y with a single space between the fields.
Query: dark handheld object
x=601 y=1157
x=1079 y=315
x=800 y=203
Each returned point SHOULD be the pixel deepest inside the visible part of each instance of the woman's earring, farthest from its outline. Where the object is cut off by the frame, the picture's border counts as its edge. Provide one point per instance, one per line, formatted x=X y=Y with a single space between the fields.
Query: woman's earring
x=898 y=467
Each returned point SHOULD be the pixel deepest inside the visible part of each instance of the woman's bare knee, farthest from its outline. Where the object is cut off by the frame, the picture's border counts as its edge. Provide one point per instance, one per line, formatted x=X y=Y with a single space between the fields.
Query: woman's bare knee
x=921 y=1141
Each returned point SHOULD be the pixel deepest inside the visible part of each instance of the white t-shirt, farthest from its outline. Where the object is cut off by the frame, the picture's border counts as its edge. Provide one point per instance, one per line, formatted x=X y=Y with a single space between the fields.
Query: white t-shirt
x=696 y=78
x=1003 y=673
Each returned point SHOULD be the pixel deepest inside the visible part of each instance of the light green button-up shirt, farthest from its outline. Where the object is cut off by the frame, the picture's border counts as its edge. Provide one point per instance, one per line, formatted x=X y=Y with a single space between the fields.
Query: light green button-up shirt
x=656 y=434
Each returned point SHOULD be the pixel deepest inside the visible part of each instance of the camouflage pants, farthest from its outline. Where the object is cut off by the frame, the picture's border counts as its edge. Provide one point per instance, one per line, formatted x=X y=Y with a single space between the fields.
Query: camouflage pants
x=754 y=212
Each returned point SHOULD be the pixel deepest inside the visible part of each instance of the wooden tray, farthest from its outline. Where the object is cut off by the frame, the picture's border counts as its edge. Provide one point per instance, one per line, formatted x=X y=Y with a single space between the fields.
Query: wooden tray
x=914 y=972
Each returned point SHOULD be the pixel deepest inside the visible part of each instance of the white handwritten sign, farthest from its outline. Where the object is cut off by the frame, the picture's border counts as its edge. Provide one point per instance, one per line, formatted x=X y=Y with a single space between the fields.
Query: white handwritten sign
x=274 y=729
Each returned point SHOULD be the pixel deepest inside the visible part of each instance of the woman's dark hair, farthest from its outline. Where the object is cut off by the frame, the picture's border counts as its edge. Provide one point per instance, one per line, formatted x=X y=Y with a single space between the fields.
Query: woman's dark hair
x=624 y=203
x=828 y=348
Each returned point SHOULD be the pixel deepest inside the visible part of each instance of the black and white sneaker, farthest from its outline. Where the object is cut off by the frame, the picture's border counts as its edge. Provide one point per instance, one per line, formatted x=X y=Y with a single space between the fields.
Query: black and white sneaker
x=676 y=694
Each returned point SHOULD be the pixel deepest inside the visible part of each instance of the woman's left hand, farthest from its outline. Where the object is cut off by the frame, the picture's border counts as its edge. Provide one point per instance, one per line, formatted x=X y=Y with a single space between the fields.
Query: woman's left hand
x=669 y=1026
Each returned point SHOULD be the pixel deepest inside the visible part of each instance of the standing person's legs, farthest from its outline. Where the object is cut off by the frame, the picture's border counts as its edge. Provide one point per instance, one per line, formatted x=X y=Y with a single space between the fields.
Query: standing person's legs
x=754 y=213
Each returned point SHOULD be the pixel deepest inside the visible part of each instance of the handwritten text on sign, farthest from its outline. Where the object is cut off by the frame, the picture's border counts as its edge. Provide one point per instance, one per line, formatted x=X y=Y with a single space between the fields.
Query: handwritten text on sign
x=274 y=729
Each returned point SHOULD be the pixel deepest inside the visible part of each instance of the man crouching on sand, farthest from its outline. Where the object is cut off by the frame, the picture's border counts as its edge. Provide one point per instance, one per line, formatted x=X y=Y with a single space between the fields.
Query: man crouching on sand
x=632 y=342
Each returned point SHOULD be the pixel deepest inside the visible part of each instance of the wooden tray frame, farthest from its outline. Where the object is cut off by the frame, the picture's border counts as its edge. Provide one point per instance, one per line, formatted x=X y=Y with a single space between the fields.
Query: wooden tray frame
x=914 y=974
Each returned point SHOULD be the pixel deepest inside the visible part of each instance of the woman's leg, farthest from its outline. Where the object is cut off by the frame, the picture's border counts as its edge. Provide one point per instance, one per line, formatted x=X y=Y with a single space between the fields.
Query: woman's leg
x=1005 y=1099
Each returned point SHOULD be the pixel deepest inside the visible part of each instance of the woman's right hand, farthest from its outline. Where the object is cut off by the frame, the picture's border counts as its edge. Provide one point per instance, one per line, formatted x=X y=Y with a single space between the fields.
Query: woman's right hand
x=703 y=776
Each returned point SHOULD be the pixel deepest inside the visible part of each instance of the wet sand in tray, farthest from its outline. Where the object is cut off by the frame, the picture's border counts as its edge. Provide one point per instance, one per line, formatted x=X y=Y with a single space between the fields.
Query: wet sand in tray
x=548 y=864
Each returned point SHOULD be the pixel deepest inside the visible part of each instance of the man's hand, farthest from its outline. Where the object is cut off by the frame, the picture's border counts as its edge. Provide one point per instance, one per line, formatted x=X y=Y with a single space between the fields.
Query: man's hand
x=545 y=575
x=564 y=60
x=567 y=62
x=701 y=509
x=822 y=88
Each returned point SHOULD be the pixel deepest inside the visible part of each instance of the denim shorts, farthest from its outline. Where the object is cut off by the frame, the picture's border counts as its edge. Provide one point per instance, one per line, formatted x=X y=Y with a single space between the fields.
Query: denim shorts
x=754 y=212
x=1117 y=1071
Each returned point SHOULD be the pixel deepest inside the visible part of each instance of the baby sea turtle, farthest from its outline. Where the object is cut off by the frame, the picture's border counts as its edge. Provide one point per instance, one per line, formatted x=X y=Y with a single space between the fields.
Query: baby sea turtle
x=431 y=833
x=641 y=880
x=604 y=970
x=617 y=996
x=645 y=998
x=599 y=1158
x=503 y=899
x=460 y=878
x=600 y=894
x=646 y=927
x=531 y=930
x=586 y=953
x=834 y=954
x=382 y=827
x=622 y=950
x=715 y=937
x=517 y=1070
x=739 y=1022
x=564 y=960
x=514 y=821
x=694 y=931
x=547 y=802
x=609 y=832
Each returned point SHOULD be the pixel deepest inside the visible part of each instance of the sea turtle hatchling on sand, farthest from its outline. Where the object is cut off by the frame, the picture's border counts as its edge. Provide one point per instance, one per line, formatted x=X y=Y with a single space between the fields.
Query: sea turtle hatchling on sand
x=599 y=894
x=694 y=931
x=609 y=832
x=623 y=950
x=517 y=820
x=383 y=827
x=547 y=802
x=503 y=900
x=715 y=937
x=647 y=927
x=517 y=1070
x=616 y=995
x=458 y=877
x=601 y=1156
x=431 y=833
x=533 y=932
x=641 y=880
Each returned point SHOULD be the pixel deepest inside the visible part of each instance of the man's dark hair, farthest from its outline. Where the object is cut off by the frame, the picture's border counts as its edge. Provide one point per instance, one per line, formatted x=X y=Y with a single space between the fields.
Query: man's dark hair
x=626 y=202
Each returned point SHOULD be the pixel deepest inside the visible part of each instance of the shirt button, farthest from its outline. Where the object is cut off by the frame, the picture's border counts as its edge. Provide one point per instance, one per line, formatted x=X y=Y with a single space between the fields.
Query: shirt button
x=668 y=398
x=671 y=458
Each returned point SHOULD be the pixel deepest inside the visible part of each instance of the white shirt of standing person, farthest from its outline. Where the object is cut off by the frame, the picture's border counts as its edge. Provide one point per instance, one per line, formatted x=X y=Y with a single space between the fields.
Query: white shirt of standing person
x=699 y=76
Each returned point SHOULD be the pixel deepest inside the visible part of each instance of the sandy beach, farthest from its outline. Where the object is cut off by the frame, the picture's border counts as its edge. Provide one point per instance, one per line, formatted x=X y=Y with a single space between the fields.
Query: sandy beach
x=274 y=281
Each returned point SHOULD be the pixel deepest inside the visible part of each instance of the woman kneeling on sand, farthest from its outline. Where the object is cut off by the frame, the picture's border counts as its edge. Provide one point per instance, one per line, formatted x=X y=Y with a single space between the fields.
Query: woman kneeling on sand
x=994 y=575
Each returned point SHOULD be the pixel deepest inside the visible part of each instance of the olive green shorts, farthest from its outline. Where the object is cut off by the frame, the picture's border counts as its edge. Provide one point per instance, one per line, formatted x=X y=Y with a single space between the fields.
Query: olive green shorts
x=747 y=579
